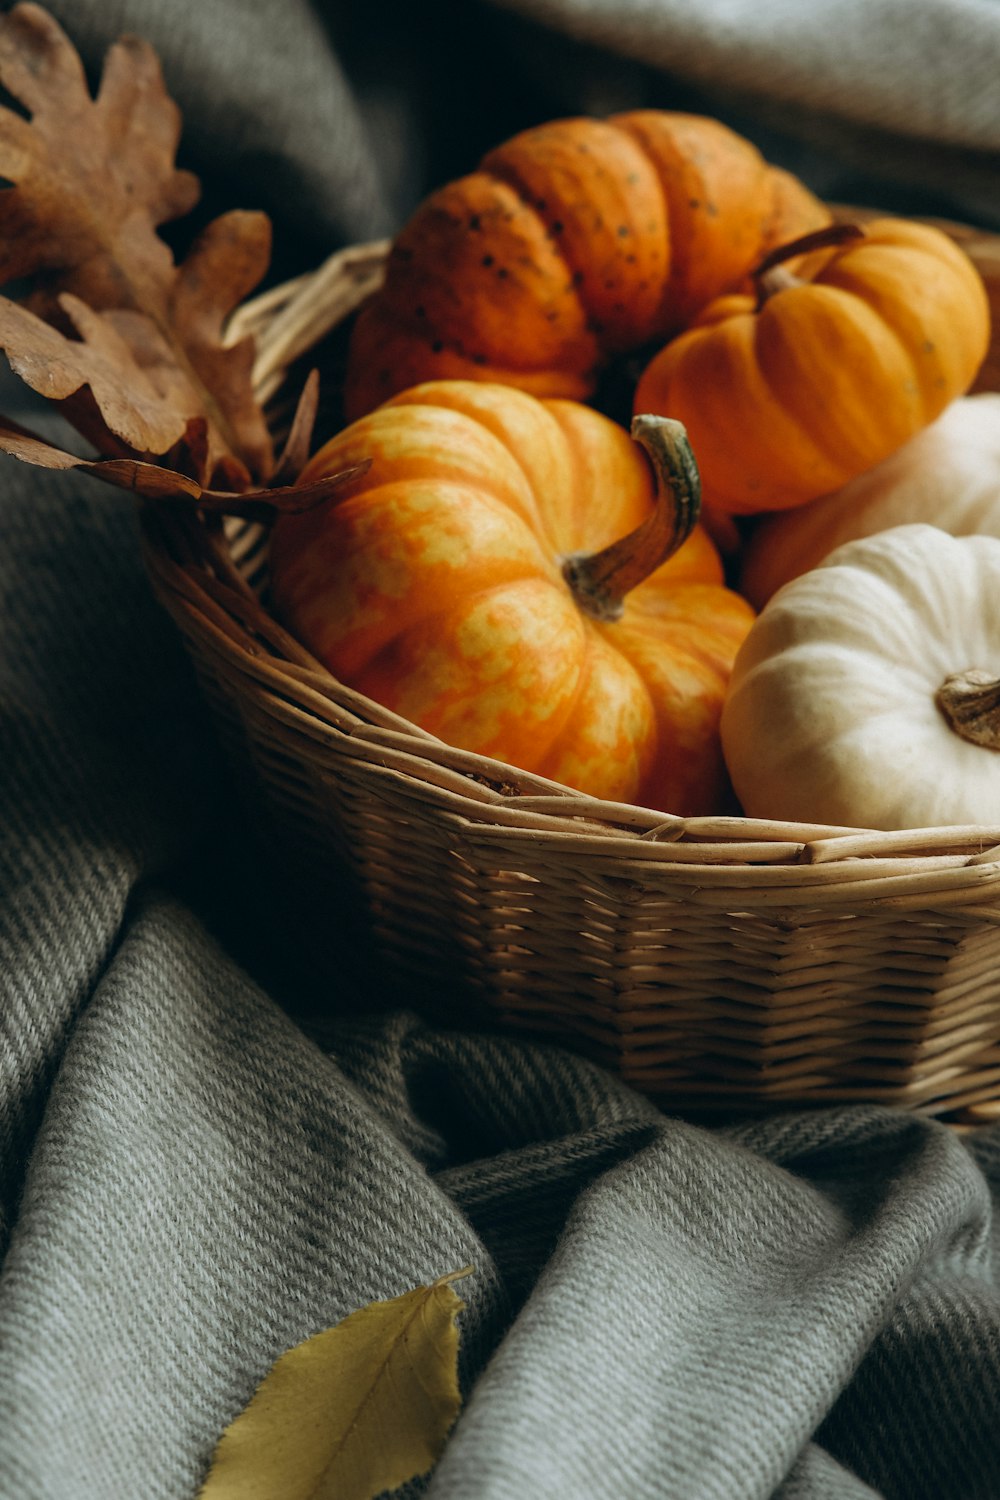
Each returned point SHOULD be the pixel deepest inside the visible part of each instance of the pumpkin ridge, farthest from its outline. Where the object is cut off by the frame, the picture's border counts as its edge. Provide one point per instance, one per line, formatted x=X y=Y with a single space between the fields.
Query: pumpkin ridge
x=797 y=401
x=478 y=491
x=582 y=676
x=580 y=271
x=486 y=487
x=678 y=248
x=458 y=606
x=409 y=469
x=778 y=465
x=442 y=610
x=474 y=268
x=802 y=420
x=681 y=641
x=541 y=534
x=666 y=730
x=358 y=636
x=559 y=549
x=504 y=172
x=930 y=408
x=691 y=155
x=546 y=542
x=592 y=631
x=844 y=280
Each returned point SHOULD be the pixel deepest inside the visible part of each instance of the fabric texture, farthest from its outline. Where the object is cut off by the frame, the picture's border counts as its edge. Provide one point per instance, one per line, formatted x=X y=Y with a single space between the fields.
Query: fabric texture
x=205 y=1160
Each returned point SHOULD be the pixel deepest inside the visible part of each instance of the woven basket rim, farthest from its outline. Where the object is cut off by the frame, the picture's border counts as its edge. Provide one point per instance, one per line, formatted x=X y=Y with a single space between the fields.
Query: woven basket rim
x=201 y=574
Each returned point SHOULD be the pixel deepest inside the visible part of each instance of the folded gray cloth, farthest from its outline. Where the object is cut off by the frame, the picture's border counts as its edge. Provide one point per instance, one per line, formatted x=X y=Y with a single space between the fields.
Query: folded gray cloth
x=896 y=94
x=921 y=68
x=197 y=1173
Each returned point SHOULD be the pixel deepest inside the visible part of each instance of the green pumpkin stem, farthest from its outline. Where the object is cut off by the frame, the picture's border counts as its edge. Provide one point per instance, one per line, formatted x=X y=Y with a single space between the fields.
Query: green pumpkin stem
x=600 y=580
x=773 y=276
x=970 y=702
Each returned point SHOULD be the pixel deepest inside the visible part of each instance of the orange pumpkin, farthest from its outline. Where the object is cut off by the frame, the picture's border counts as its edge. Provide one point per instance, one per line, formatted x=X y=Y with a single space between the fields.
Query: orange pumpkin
x=830 y=371
x=573 y=241
x=457 y=583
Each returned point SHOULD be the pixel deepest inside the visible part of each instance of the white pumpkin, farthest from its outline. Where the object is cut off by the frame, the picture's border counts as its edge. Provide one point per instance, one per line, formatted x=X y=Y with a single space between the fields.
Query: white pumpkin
x=867 y=693
x=947 y=476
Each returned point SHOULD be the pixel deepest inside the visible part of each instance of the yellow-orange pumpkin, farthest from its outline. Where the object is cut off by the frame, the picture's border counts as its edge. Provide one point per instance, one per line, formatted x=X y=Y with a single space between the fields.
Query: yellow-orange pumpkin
x=831 y=370
x=470 y=580
x=573 y=241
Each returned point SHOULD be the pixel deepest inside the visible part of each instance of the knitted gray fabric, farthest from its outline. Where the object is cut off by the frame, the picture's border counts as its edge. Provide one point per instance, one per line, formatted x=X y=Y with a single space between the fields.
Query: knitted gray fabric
x=904 y=90
x=804 y=1306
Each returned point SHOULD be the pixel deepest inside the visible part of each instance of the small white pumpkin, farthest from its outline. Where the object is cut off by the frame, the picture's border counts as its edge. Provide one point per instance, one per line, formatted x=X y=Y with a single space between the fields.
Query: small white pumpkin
x=947 y=476
x=867 y=693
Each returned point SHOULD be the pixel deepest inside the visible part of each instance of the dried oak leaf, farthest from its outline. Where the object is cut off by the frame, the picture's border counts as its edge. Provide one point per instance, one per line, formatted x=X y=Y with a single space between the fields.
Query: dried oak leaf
x=154 y=482
x=226 y=262
x=93 y=178
x=57 y=367
x=206 y=379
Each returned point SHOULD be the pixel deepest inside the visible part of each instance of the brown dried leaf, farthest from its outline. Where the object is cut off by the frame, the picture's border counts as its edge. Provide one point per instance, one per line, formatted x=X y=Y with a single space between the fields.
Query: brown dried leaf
x=225 y=264
x=296 y=449
x=57 y=367
x=93 y=177
x=21 y=443
x=154 y=482
x=200 y=383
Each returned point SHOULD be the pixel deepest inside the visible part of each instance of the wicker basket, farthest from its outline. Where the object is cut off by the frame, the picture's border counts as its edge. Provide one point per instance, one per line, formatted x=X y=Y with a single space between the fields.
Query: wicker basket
x=715 y=962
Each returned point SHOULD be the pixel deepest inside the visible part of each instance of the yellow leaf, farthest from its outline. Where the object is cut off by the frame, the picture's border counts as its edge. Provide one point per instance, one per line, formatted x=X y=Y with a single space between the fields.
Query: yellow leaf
x=353 y=1411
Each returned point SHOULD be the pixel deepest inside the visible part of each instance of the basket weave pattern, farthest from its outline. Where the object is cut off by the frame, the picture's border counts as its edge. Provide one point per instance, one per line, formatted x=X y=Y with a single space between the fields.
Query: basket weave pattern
x=716 y=961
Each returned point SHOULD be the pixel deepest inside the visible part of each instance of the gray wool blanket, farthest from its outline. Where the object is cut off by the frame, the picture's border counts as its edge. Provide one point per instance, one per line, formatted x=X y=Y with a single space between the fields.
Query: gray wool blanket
x=203 y=1159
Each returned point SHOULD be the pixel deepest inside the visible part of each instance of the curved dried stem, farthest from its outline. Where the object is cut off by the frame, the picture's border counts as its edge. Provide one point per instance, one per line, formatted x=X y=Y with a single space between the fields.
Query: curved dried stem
x=601 y=580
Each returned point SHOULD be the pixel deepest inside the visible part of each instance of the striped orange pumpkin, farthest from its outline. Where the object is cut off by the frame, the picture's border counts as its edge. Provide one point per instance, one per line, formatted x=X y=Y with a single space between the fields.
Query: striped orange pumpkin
x=504 y=575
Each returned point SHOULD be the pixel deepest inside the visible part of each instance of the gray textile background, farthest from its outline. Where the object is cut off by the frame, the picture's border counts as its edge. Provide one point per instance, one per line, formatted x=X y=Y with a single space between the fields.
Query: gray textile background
x=195 y=1174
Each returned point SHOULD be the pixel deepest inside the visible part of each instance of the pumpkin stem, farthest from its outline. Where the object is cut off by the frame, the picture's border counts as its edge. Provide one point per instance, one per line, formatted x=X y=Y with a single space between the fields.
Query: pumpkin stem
x=600 y=580
x=970 y=701
x=772 y=275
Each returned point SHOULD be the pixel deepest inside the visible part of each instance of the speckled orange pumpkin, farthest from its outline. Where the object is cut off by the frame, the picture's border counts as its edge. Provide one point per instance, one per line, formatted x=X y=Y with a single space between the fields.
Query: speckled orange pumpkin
x=497 y=577
x=573 y=241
